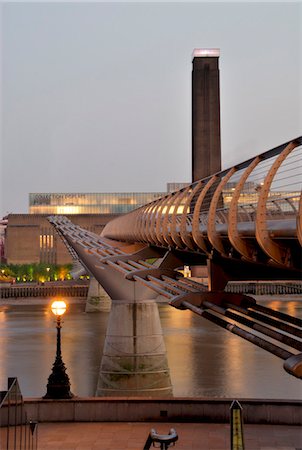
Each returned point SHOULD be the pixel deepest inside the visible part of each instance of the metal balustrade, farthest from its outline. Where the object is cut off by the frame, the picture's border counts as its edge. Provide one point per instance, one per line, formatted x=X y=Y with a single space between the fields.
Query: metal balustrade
x=43 y=291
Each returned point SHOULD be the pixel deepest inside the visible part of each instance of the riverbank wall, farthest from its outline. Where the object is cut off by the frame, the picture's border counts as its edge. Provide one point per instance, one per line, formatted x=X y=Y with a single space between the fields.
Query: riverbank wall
x=80 y=290
x=146 y=409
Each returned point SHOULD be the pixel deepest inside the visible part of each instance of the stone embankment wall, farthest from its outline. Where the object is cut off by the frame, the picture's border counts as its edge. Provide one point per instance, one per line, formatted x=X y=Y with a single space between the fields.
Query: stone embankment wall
x=148 y=409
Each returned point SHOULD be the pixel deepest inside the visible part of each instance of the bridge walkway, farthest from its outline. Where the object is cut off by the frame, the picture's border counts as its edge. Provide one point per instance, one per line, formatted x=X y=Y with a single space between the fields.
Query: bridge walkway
x=250 y=213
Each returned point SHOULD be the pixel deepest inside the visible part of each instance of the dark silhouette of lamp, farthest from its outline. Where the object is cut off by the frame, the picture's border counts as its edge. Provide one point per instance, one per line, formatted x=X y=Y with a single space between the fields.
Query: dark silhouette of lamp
x=58 y=385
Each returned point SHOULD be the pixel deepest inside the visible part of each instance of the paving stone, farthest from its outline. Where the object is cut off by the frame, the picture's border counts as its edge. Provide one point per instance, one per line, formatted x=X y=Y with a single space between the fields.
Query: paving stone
x=122 y=436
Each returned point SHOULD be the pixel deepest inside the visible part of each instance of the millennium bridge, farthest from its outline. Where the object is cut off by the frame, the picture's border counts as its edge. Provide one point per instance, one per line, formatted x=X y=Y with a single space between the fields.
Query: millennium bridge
x=244 y=223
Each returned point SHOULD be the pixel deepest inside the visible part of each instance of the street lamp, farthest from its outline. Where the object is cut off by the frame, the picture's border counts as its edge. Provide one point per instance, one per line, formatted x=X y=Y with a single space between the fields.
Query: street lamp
x=58 y=385
x=48 y=269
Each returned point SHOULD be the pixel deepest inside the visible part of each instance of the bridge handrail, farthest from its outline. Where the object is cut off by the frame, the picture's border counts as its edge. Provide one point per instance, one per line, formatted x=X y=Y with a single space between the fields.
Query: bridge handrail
x=246 y=192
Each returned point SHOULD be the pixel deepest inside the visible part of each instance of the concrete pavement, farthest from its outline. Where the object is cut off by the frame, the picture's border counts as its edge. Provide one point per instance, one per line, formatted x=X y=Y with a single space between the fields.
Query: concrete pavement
x=192 y=436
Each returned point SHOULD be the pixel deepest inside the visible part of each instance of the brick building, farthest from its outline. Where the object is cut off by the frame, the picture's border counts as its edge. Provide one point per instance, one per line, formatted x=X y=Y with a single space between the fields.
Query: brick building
x=30 y=238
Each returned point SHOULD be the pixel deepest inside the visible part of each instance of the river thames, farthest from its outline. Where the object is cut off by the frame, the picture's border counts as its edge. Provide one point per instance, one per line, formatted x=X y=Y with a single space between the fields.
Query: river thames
x=204 y=360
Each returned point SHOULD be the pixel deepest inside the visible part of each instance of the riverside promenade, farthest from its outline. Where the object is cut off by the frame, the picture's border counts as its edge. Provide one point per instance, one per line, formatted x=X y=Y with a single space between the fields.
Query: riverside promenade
x=192 y=436
x=201 y=424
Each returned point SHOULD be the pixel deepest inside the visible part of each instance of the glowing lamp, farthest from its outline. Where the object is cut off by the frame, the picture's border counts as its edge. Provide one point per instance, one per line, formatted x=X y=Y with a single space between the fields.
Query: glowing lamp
x=58 y=307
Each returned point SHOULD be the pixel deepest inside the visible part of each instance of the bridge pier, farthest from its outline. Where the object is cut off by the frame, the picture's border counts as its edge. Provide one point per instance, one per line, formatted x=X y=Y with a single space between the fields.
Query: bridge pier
x=97 y=298
x=134 y=361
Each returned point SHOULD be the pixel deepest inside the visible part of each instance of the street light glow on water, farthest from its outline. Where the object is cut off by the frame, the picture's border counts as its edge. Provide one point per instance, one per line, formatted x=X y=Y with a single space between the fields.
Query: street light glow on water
x=204 y=360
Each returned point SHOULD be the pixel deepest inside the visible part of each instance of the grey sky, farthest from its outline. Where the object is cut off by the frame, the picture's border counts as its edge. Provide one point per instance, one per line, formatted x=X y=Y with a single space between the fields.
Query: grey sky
x=97 y=97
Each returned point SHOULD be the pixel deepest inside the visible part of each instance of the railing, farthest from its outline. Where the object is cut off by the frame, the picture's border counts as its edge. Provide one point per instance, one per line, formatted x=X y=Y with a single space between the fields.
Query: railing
x=265 y=288
x=252 y=211
x=16 y=431
x=43 y=291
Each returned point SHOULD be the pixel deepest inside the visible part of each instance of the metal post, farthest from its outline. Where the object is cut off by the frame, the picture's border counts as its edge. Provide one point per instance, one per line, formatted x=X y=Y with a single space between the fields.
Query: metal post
x=237 y=442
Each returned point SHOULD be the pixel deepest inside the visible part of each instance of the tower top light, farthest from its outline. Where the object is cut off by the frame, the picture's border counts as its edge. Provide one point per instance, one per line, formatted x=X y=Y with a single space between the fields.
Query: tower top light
x=205 y=52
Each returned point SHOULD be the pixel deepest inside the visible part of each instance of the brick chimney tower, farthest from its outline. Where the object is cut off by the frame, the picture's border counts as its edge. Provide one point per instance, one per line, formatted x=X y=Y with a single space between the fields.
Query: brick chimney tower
x=206 y=147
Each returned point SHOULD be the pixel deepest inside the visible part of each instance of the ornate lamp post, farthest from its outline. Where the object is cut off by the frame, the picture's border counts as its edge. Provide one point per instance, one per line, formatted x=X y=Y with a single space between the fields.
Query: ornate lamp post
x=58 y=385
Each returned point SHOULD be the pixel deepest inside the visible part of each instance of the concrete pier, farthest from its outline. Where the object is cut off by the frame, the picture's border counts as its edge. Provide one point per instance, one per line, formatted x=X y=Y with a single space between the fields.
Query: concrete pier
x=134 y=360
x=97 y=298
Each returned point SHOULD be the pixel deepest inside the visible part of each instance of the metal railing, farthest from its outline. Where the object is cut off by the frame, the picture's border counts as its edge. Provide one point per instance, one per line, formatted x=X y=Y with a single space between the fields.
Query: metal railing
x=16 y=431
x=43 y=291
x=252 y=210
x=265 y=288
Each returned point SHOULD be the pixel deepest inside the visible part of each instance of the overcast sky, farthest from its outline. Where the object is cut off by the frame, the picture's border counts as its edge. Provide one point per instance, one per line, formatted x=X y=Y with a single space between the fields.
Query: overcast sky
x=97 y=97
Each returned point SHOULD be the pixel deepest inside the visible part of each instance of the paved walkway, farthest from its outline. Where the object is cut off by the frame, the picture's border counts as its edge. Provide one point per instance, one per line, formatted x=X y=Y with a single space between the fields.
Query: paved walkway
x=192 y=436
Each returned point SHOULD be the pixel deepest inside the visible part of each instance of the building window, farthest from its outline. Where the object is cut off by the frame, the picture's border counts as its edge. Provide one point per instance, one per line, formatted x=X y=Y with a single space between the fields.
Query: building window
x=46 y=241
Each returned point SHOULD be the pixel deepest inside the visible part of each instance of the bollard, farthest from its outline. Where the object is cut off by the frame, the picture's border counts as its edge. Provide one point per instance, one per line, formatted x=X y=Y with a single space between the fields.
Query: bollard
x=237 y=442
x=33 y=426
x=165 y=440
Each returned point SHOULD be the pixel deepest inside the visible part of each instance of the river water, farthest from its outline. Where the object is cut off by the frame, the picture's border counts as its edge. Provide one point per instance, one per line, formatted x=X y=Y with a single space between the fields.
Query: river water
x=204 y=360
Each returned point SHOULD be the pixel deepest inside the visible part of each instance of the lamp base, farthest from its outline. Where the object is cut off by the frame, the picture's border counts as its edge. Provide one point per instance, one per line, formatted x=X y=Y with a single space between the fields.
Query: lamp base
x=58 y=392
x=58 y=385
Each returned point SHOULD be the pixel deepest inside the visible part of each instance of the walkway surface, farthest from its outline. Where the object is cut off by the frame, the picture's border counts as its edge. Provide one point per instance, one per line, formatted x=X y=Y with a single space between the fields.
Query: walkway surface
x=192 y=436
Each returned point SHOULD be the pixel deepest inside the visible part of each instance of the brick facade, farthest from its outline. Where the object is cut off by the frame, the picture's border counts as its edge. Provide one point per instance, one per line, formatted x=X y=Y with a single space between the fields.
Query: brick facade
x=30 y=238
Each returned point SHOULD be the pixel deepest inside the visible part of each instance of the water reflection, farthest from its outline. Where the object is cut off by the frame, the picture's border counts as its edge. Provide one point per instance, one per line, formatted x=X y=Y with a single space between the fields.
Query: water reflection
x=204 y=360
x=28 y=346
